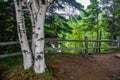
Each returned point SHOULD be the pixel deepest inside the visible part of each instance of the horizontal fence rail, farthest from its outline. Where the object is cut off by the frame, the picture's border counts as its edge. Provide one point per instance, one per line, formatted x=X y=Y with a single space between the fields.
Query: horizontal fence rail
x=86 y=41
x=17 y=42
x=65 y=48
x=8 y=43
x=110 y=47
x=10 y=55
x=103 y=40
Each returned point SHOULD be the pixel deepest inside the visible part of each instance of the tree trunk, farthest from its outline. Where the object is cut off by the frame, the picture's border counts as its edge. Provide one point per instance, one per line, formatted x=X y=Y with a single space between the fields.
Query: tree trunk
x=39 y=60
x=100 y=35
x=32 y=18
x=27 y=55
x=97 y=43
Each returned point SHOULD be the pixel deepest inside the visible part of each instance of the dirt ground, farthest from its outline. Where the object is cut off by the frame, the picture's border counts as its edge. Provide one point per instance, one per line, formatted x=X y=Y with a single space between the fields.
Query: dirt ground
x=76 y=67
x=80 y=67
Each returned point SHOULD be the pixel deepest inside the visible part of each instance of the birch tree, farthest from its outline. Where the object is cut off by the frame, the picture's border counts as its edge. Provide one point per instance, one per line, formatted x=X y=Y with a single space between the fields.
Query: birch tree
x=37 y=10
x=27 y=55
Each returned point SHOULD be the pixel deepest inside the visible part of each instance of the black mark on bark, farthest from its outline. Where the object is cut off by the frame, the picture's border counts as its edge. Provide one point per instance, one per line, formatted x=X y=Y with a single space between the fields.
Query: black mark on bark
x=36 y=35
x=28 y=53
x=25 y=51
x=33 y=32
x=40 y=39
x=19 y=31
x=21 y=41
x=19 y=10
x=39 y=57
x=36 y=46
x=38 y=28
x=36 y=59
x=43 y=1
x=41 y=52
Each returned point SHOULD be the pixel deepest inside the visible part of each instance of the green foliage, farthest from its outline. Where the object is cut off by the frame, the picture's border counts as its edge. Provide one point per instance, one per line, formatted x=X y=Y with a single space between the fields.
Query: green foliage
x=94 y=26
x=84 y=28
x=112 y=16
x=117 y=11
x=56 y=27
x=92 y=22
x=2 y=1
x=77 y=34
x=8 y=31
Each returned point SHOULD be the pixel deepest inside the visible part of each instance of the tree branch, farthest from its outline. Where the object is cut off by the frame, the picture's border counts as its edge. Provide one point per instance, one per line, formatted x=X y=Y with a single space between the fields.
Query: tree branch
x=28 y=6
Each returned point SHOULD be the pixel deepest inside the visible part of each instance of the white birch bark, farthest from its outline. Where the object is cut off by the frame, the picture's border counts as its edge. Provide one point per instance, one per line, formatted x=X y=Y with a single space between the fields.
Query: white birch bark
x=39 y=14
x=39 y=59
x=27 y=55
x=32 y=18
x=39 y=11
x=33 y=32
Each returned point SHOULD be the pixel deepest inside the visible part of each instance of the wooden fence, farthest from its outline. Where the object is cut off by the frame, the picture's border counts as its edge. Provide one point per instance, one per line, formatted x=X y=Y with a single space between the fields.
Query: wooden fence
x=85 y=41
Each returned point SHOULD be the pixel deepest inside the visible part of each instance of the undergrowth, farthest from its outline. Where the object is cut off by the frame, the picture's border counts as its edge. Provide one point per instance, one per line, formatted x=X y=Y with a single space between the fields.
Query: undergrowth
x=11 y=69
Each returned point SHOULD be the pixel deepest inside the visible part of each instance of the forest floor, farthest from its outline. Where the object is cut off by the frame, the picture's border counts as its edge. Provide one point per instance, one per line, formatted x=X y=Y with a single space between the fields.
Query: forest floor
x=77 y=67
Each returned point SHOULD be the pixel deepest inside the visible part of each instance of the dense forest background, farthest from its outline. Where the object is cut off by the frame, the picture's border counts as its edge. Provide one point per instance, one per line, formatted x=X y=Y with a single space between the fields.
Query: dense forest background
x=100 y=21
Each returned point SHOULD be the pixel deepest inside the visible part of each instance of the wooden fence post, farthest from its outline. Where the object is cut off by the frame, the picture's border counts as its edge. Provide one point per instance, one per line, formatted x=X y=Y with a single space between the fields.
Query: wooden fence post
x=86 y=45
x=118 y=40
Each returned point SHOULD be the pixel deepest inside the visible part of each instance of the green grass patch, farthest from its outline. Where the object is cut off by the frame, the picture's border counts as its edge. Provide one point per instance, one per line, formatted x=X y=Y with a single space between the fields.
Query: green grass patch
x=11 y=61
x=11 y=69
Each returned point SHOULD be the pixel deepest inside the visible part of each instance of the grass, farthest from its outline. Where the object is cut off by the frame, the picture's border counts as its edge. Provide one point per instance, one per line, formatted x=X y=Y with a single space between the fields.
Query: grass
x=11 y=69
x=11 y=61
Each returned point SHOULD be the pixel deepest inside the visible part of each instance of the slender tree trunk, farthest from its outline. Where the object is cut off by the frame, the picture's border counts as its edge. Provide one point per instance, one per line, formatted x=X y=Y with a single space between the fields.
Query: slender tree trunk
x=32 y=18
x=97 y=43
x=100 y=35
x=15 y=31
x=39 y=59
x=27 y=55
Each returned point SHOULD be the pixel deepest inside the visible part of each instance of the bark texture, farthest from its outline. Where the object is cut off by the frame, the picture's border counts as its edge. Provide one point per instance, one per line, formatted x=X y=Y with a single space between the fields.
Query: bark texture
x=39 y=59
x=27 y=55
x=37 y=10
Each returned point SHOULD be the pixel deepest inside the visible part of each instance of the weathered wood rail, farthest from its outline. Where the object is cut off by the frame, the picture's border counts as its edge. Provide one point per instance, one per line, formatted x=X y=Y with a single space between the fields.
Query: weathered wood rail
x=85 y=41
